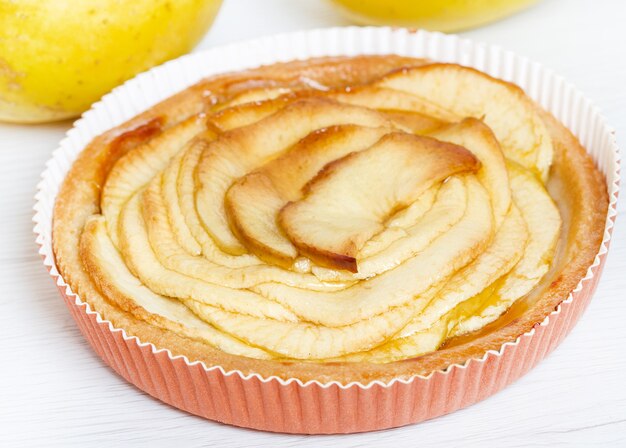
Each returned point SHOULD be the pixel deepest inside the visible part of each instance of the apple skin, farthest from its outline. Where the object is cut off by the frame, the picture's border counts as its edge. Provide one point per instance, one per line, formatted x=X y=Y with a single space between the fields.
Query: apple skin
x=435 y=15
x=57 y=57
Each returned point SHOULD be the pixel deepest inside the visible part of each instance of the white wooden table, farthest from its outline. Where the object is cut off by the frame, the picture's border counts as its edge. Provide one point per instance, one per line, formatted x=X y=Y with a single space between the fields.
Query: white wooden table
x=54 y=391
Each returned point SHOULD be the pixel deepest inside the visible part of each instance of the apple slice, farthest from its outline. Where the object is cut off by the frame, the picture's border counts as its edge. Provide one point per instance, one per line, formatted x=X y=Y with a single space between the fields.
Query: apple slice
x=396 y=349
x=351 y=198
x=107 y=269
x=408 y=232
x=410 y=112
x=183 y=235
x=137 y=167
x=140 y=258
x=498 y=259
x=476 y=136
x=237 y=152
x=405 y=284
x=430 y=329
x=240 y=115
x=382 y=98
x=185 y=187
x=254 y=95
x=254 y=201
x=413 y=122
x=173 y=256
x=544 y=224
x=303 y=340
x=469 y=93
x=404 y=231
x=385 y=251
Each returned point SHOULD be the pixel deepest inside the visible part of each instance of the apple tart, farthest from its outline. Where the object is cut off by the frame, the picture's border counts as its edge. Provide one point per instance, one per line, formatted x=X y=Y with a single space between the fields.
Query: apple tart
x=339 y=219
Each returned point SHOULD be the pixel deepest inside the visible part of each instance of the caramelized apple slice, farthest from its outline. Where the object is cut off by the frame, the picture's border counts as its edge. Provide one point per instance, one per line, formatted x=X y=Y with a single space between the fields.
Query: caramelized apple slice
x=254 y=96
x=350 y=199
x=445 y=255
x=237 y=152
x=413 y=122
x=476 y=136
x=172 y=256
x=499 y=258
x=469 y=93
x=428 y=331
x=175 y=215
x=407 y=233
x=384 y=251
x=244 y=114
x=396 y=349
x=141 y=260
x=381 y=98
x=137 y=167
x=186 y=200
x=303 y=340
x=253 y=202
x=107 y=269
x=410 y=112
x=544 y=224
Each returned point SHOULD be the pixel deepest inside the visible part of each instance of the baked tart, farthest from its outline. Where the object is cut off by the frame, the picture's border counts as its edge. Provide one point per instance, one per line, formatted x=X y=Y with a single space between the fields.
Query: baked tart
x=345 y=219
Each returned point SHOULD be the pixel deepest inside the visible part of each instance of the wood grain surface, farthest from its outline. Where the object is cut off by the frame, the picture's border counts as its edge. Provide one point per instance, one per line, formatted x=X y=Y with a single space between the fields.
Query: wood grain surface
x=54 y=391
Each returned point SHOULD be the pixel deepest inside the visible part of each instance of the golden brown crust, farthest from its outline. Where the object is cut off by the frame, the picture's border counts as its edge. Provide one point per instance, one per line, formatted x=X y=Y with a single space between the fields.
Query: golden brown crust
x=579 y=186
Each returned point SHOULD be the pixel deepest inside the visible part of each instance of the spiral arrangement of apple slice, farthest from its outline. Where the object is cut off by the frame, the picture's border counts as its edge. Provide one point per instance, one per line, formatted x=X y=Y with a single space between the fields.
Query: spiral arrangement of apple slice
x=366 y=224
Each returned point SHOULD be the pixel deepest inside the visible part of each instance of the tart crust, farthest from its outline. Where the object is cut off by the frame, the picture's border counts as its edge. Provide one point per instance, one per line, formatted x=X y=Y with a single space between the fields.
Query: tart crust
x=575 y=183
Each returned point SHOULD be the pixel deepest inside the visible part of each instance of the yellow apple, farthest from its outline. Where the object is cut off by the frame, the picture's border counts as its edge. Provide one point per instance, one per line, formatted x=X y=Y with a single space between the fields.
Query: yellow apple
x=59 y=56
x=439 y=15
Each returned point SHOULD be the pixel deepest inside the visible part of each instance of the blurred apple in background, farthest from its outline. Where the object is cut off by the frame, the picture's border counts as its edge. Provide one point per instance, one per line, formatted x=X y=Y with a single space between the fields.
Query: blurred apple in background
x=59 y=56
x=436 y=15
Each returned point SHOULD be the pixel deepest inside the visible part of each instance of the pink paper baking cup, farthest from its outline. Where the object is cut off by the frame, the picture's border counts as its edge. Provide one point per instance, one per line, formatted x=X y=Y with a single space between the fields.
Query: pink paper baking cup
x=275 y=404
